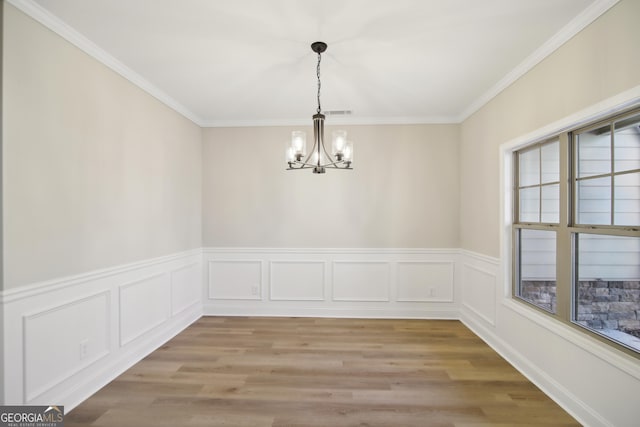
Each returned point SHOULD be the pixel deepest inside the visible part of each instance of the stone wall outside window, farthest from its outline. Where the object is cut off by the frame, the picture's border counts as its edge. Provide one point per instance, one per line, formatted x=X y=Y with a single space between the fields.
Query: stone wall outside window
x=602 y=305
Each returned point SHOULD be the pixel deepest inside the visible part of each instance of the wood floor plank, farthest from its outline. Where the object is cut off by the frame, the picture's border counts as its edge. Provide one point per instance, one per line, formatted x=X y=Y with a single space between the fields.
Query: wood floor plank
x=252 y=371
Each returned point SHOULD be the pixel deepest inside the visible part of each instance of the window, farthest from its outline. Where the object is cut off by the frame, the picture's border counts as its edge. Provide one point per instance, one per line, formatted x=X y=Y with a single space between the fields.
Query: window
x=607 y=217
x=608 y=286
x=538 y=213
x=537 y=283
x=608 y=174
x=576 y=228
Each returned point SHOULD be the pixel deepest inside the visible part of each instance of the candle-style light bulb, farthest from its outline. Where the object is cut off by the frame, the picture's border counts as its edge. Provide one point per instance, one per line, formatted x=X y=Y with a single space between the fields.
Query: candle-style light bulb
x=339 y=140
x=299 y=144
x=348 y=152
x=290 y=155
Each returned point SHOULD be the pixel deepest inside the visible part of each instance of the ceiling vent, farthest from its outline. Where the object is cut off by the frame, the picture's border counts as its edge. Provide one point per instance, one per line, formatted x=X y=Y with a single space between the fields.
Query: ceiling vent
x=338 y=112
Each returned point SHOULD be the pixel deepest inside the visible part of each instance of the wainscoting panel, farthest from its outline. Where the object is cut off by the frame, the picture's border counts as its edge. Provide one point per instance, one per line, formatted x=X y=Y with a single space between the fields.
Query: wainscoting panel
x=144 y=304
x=479 y=292
x=425 y=281
x=364 y=281
x=186 y=288
x=297 y=280
x=66 y=338
x=402 y=283
x=235 y=279
x=63 y=340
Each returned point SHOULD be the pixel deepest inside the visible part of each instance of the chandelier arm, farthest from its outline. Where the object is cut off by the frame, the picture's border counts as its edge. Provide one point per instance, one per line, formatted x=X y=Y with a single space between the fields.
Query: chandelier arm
x=305 y=165
x=330 y=157
x=302 y=165
x=313 y=149
x=295 y=165
x=335 y=164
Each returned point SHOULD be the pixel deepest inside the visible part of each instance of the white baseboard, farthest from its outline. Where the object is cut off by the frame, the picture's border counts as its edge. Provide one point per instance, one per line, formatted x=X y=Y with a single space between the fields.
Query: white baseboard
x=335 y=312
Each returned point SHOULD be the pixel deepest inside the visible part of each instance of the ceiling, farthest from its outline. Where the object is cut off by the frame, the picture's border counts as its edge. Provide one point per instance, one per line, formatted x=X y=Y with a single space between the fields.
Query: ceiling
x=249 y=62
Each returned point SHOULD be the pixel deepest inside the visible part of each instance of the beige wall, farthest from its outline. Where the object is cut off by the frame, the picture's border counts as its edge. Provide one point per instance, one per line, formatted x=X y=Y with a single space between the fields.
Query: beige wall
x=402 y=193
x=599 y=62
x=96 y=172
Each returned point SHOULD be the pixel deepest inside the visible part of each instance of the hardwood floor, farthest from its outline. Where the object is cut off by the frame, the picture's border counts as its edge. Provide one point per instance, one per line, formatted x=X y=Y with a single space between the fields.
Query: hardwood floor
x=235 y=371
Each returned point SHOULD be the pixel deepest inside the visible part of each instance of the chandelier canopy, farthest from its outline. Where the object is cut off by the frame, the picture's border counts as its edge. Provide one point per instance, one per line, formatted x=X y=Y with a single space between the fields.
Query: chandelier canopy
x=319 y=158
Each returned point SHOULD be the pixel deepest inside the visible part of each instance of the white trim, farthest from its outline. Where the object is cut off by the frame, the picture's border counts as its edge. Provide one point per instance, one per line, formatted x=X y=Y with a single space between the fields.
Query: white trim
x=577 y=24
x=349 y=312
x=184 y=267
x=139 y=280
x=345 y=121
x=506 y=219
x=615 y=104
x=480 y=257
x=337 y=251
x=15 y=294
x=55 y=24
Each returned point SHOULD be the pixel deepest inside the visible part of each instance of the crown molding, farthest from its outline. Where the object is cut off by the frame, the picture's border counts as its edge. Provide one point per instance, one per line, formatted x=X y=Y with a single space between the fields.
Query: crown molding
x=43 y=16
x=343 y=121
x=577 y=24
x=342 y=251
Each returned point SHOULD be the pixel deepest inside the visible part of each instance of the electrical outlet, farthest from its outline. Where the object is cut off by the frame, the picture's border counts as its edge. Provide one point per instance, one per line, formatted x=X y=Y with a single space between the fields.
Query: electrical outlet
x=84 y=348
x=432 y=292
x=255 y=290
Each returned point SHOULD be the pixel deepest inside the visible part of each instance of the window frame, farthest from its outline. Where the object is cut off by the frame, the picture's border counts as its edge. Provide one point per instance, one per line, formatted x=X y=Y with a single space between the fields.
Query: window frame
x=567 y=229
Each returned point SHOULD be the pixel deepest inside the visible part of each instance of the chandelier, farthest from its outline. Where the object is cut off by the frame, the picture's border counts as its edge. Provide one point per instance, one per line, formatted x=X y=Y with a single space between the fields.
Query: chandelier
x=319 y=158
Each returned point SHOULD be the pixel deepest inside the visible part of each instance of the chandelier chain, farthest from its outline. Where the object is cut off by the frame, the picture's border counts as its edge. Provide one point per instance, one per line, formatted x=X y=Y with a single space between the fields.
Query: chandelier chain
x=319 y=109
